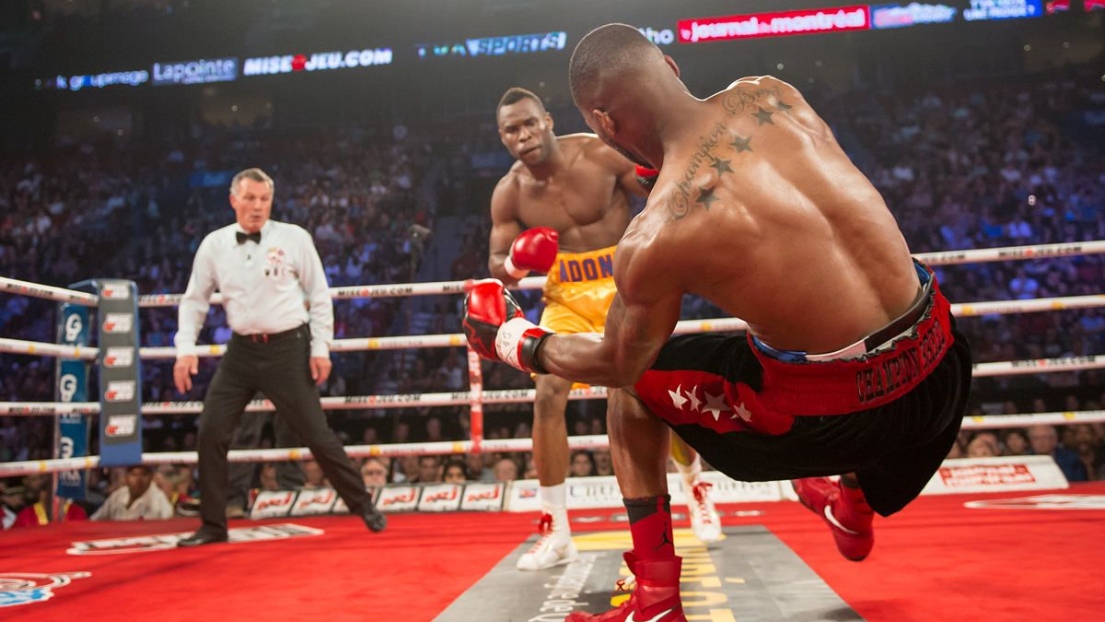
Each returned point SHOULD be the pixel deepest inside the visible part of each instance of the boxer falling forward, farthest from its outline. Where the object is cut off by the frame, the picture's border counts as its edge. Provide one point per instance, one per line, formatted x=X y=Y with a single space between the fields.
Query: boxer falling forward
x=851 y=365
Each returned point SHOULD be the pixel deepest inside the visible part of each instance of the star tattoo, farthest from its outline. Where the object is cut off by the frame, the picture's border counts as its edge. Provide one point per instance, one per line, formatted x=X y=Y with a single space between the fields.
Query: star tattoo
x=763 y=116
x=741 y=144
x=706 y=197
x=722 y=166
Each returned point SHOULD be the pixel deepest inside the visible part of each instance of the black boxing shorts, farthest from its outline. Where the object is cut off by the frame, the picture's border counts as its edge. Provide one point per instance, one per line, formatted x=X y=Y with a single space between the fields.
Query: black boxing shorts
x=889 y=412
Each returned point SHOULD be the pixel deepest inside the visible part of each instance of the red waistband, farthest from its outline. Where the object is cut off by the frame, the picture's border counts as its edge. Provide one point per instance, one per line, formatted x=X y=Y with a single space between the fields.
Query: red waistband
x=814 y=388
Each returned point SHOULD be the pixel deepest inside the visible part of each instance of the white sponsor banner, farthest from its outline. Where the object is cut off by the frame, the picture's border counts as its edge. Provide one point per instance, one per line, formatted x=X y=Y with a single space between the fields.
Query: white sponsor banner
x=120 y=391
x=998 y=474
x=272 y=504
x=118 y=322
x=160 y=542
x=119 y=357
x=603 y=492
x=440 y=498
x=115 y=291
x=121 y=425
x=483 y=497
x=313 y=502
x=398 y=499
x=1041 y=502
x=725 y=490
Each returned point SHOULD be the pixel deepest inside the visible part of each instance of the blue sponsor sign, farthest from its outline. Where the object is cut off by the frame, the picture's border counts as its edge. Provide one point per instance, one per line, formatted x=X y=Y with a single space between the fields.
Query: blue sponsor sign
x=912 y=14
x=72 y=386
x=1002 y=9
x=200 y=71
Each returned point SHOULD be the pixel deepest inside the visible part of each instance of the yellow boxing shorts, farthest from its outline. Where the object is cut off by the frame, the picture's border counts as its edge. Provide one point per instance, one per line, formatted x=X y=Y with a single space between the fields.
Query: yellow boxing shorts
x=578 y=291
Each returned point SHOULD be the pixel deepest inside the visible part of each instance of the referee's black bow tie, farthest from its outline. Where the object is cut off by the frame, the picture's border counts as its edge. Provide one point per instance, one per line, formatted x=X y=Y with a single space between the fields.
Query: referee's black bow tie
x=242 y=237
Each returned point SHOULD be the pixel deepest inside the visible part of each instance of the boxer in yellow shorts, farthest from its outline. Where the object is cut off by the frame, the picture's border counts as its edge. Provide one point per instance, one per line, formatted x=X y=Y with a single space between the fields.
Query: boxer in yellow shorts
x=560 y=210
x=578 y=292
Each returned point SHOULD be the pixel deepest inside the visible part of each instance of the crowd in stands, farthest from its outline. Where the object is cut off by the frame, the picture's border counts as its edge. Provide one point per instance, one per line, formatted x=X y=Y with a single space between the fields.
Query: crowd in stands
x=961 y=167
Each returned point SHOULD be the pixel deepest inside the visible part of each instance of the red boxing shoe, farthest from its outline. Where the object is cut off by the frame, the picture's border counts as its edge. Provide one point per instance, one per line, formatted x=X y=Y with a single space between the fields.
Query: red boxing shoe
x=655 y=599
x=849 y=520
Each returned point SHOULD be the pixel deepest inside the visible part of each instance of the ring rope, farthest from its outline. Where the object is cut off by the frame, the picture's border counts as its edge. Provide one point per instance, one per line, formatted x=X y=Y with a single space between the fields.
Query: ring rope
x=970 y=309
x=512 y=396
x=35 y=290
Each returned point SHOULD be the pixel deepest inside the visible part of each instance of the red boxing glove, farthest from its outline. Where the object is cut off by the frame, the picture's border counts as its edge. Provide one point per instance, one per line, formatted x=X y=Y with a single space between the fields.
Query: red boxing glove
x=487 y=306
x=647 y=176
x=496 y=328
x=534 y=249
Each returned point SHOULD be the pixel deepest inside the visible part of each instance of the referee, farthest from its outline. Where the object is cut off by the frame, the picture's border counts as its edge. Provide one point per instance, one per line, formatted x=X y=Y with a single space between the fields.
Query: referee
x=278 y=305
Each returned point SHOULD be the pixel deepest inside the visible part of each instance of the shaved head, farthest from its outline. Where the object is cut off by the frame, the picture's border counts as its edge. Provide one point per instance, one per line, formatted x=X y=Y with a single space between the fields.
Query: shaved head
x=604 y=58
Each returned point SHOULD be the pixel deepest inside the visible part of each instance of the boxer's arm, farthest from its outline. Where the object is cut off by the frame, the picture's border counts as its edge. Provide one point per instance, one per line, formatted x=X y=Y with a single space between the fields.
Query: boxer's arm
x=635 y=332
x=627 y=174
x=504 y=228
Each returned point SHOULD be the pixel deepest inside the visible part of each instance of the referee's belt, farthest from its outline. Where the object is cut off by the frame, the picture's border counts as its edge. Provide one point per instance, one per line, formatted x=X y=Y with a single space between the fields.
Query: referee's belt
x=269 y=337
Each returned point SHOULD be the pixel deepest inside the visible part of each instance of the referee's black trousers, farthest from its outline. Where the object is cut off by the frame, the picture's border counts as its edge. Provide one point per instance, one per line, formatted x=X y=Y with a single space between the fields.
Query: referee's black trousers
x=280 y=368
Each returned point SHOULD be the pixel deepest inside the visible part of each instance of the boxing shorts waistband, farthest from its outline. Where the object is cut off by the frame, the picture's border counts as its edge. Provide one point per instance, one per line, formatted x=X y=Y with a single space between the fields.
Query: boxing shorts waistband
x=583 y=267
x=269 y=337
x=891 y=362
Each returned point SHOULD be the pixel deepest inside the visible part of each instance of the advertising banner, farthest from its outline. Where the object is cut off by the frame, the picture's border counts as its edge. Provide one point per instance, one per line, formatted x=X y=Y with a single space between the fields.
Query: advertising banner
x=72 y=386
x=774 y=24
x=1002 y=9
x=120 y=374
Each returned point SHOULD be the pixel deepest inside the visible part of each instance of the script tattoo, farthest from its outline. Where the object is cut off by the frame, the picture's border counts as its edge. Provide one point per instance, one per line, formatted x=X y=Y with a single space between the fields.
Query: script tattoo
x=684 y=189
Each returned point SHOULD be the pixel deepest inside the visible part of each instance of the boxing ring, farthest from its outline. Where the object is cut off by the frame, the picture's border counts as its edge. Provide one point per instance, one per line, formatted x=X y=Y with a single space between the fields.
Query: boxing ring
x=475 y=398
x=496 y=535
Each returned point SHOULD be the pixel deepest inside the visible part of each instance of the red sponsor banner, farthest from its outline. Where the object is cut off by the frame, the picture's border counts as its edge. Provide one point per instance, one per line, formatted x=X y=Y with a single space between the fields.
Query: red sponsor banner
x=775 y=24
x=985 y=475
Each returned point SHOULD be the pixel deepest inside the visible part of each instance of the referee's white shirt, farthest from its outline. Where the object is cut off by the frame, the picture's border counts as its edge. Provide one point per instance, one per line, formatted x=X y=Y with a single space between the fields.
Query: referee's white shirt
x=269 y=287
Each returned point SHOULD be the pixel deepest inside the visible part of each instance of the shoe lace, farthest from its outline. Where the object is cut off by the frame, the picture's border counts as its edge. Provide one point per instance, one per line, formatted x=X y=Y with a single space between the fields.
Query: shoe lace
x=545 y=529
x=627 y=584
x=700 y=490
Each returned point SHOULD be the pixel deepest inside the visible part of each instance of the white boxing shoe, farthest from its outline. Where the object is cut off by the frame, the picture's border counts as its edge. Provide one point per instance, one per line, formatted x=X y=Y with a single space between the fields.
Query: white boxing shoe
x=704 y=519
x=553 y=548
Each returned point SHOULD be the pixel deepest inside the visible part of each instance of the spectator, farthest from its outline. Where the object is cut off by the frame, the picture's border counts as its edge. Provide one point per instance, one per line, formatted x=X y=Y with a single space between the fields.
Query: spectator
x=1015 y=443
x=429 y=469
x=139 y=499
x=1045 y=442
x=582 y=465
x=983 y=445
x=506 y=470
x=374 y=472
x=455 y=472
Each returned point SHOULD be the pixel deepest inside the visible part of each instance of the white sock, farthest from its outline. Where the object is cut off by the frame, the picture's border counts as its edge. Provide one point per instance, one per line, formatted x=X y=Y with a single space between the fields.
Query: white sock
x=690 y=472
x=554 y=502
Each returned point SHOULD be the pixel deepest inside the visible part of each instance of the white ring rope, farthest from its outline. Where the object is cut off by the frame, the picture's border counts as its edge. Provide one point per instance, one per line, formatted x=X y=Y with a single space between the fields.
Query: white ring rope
x=34 y=290
x=360 y=344
x=513 y=396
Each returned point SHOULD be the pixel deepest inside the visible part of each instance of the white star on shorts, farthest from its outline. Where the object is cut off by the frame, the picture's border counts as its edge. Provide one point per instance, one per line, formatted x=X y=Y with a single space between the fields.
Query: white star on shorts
x=743 y=413
x=677 y=398
x=715 y=405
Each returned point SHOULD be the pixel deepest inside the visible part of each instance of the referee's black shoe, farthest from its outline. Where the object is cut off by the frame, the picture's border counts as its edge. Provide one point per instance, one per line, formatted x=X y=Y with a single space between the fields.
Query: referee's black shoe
x=203 y=535
x=374 y=519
